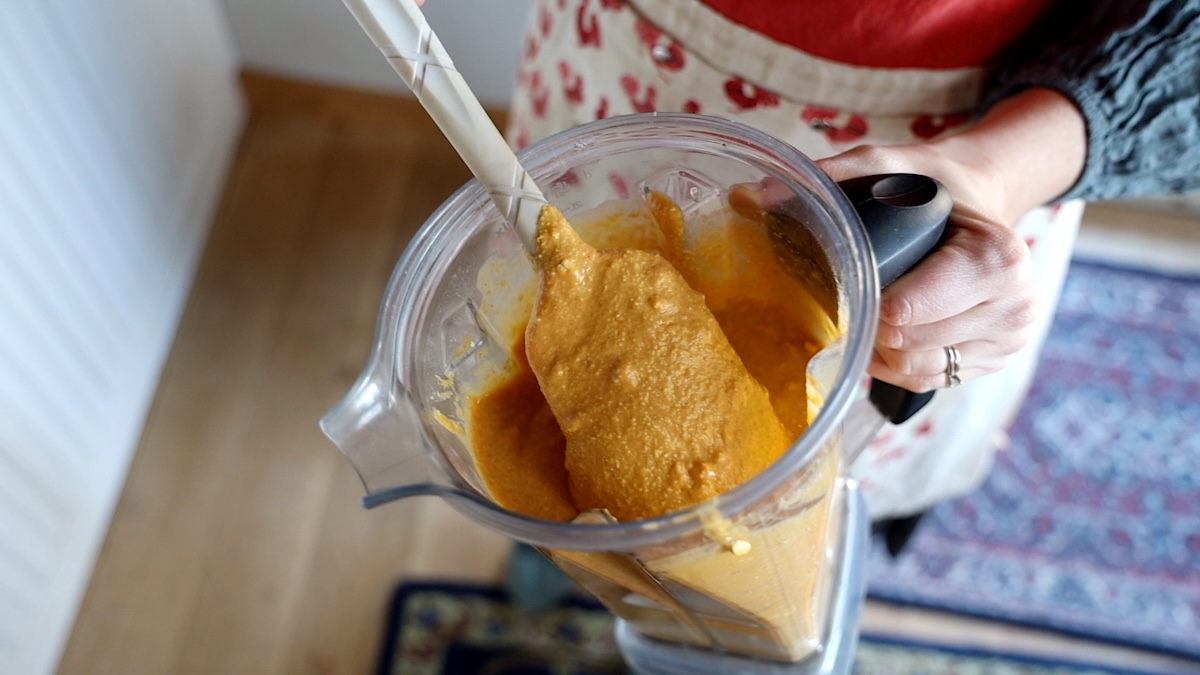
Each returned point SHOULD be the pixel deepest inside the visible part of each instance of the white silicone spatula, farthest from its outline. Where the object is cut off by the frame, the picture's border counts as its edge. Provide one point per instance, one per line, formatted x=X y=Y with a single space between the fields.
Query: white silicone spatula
x=399 y=30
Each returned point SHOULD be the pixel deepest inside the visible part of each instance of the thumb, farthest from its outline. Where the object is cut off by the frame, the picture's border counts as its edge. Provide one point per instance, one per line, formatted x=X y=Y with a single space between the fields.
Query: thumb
x=868 y=160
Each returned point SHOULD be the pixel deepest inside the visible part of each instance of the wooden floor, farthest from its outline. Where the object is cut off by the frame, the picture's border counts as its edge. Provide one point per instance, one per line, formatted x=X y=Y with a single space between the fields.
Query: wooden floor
x=239 y=545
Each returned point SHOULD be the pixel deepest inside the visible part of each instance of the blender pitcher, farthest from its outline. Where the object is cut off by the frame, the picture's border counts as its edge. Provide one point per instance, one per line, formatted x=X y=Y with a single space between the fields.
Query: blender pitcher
x=752 y=573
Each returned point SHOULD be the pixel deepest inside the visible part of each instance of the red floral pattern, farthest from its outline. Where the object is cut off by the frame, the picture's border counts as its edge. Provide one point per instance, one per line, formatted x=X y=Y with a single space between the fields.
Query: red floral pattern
x=587 y=25
x=640 y=68
x=619 y=184
x=665 y=51
x=641 y=97
x=746 y=95
x=838 y=126
x=539 y=95
x=572 y=83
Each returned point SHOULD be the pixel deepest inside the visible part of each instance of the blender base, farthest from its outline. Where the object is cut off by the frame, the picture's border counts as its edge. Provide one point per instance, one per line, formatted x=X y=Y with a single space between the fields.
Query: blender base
x=835 y=656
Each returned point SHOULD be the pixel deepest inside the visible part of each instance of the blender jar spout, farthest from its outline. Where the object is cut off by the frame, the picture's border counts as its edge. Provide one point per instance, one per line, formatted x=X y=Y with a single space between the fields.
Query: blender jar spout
x=379 y=433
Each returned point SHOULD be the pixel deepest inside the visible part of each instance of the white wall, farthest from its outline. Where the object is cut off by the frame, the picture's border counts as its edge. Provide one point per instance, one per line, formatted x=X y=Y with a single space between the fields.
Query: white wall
x=319 y=40
x=118 y=120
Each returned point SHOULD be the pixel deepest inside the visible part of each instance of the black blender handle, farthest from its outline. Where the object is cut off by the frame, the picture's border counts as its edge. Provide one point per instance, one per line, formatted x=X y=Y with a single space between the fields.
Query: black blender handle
x=904 y=216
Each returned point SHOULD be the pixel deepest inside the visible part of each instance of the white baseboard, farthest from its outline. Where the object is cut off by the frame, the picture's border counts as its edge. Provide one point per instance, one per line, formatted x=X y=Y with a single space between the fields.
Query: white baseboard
x=1157 y=239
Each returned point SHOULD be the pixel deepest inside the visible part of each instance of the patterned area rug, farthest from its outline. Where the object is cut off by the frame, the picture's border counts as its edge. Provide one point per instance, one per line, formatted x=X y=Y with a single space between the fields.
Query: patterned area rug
x=1090 y=521
x=462 y=630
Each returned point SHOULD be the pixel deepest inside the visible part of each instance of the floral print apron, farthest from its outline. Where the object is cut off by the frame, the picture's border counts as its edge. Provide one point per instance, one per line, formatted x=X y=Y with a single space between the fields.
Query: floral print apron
x=584 y=60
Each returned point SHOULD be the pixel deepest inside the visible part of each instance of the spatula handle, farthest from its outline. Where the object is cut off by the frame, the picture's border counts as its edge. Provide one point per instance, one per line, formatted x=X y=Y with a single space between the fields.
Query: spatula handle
x=399 y=30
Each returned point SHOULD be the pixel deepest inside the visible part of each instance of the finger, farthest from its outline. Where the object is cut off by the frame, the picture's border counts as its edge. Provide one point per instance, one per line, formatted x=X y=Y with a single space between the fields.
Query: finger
x=866 y=160
x=768 y=194
x=978 y=260
x=927 y=370
x=1004 y=321
x=980 y=356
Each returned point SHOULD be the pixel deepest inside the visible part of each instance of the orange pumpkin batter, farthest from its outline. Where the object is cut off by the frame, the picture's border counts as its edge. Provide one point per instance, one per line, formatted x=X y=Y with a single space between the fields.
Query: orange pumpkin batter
x=665 y=401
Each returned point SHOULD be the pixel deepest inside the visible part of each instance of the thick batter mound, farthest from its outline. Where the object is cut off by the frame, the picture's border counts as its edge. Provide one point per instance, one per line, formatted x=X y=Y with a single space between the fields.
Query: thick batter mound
x=657 y=408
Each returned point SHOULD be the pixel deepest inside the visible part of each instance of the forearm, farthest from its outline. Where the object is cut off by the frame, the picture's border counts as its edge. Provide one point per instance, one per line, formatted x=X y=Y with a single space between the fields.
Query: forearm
x=1033 y=145
x=1133 y=68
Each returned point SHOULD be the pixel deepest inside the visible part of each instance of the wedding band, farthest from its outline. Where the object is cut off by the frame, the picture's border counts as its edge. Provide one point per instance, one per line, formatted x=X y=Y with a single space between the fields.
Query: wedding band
x=953 y=361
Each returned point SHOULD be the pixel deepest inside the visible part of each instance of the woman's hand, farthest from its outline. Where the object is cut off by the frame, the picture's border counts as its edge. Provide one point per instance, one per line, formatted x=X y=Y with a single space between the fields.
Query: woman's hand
x=974 y=291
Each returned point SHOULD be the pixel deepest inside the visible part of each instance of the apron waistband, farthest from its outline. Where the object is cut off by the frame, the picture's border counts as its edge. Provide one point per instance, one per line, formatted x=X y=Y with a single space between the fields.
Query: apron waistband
x=797 y=75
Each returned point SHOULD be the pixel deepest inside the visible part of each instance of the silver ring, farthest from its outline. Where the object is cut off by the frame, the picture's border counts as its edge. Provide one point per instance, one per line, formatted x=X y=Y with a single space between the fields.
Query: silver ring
x=953 y=361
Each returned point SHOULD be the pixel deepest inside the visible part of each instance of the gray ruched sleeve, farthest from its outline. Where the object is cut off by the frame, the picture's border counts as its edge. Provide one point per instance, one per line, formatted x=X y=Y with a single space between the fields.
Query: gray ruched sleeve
x=1133 y=68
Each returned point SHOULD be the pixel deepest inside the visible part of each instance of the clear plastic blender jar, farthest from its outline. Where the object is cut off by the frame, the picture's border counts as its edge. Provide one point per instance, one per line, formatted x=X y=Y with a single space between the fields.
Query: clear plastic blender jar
x=747 y=572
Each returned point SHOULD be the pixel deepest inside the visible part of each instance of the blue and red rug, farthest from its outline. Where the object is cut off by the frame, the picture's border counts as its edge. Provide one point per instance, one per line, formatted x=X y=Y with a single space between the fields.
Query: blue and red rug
x=452 y=629
x=1090 y=521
